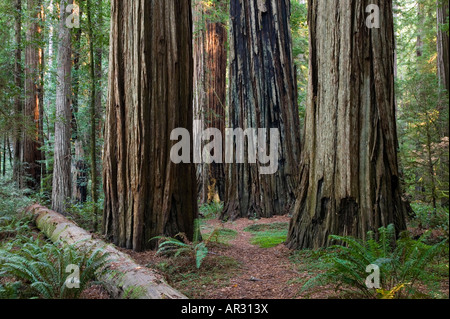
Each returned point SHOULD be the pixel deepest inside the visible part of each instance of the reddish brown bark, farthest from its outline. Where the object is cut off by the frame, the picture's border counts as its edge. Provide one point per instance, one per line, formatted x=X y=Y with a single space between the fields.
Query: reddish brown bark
x=149 y=95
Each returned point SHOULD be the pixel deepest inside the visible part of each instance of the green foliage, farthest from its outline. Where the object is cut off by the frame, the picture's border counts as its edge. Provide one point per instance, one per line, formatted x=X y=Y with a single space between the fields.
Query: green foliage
x=10 y=290
x=211 y=210
x=268 y=235
x=300 y=50
x=84 y=213
x=428 y=217
x=175 y=247
x=12 y=200
x=422 y=103
x=42 y=266
x=402 y=264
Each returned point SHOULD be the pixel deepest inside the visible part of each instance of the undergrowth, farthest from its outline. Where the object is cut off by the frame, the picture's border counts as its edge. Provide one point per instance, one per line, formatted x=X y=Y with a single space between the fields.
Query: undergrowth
x=404 y=266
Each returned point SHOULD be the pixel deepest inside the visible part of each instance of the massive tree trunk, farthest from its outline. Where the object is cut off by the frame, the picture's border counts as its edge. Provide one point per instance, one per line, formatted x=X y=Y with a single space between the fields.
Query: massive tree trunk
x=62 y=155
x=263 y=94
x=149 y=95
x=30 y=153
x=349 y=180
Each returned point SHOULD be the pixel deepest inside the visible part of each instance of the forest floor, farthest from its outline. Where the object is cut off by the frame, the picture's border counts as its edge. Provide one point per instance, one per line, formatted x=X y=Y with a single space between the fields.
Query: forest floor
x=236 y=268
x=248 y=260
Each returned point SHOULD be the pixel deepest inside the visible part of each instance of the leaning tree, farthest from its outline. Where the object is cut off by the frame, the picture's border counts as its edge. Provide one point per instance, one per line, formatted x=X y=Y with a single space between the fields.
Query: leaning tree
x=149 y=95
x=349 y=173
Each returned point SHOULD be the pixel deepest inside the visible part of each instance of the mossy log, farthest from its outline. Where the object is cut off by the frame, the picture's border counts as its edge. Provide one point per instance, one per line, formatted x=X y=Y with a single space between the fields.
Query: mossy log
x=124 y=277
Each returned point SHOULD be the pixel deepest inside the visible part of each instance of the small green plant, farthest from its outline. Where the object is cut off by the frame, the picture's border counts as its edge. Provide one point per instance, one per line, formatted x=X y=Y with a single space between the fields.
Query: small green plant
x=10 y=226
x=12 y=199
x=42 y=266
x=133 y=292
x=10 y=290
x=84 y=213
x=427 y=217
x=211 y=210
x=402 y=264
x=197 y=248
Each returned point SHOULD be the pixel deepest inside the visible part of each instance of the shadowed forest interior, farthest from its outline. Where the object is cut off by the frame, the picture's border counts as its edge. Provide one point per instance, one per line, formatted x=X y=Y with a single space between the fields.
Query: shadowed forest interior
x=224 y=149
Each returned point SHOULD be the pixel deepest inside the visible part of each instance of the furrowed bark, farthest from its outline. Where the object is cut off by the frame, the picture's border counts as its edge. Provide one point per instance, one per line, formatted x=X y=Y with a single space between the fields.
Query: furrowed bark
x=349 y=175
x=61 y=187
x=31 y=155
x=123 y=273
x=263 y=94
x=149 y=95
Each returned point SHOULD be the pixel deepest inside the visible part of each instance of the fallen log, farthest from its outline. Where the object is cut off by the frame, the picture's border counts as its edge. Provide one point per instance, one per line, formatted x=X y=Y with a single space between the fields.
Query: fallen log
x=124 y=276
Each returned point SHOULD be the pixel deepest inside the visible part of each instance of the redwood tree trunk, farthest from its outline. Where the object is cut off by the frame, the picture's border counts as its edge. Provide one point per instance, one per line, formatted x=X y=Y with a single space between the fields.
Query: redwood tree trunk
x=349 y=180
x=443 y=43
x=199 y=99
x=216 y=86
x=61 y=190
x=18 y=103
x=210 y=67
x=30 y=152
x=263 y=94
x=149 y=95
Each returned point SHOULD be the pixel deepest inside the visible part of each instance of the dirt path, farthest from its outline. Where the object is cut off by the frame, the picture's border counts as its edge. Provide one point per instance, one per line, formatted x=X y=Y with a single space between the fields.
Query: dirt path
x=265 y=273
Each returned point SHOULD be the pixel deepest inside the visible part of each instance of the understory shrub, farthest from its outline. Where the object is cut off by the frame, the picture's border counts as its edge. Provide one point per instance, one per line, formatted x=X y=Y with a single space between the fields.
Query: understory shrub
x=402 y=264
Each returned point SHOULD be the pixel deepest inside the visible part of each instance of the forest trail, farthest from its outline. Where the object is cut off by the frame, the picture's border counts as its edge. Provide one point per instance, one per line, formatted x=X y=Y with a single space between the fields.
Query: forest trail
x=261 y=273
x=264 y=273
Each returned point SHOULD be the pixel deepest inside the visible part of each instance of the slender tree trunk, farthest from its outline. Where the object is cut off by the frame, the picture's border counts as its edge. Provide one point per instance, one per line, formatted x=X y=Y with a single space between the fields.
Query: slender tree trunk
x=4 y=154
x=199 y=100
x=99 y=108
x=99 y=73
x=216 y=87
x=93 y=135
x=210 y=67
x=79 y=166
x=263 y=94
x=62 y=155
x=40 y=91
x=30 y=153
x=349 y=180
x=149 y=95
x=18 y=103
x=443 y=59
x=443 y=43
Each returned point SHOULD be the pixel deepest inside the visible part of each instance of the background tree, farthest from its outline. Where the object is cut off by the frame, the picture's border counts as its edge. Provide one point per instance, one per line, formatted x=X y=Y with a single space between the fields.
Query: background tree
x=263 y=94
x=210 y=87
x=422 y=102
x=149 y=95
x=18 y=102
x=31 y=155
x=349 y=174
x=61 y=192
